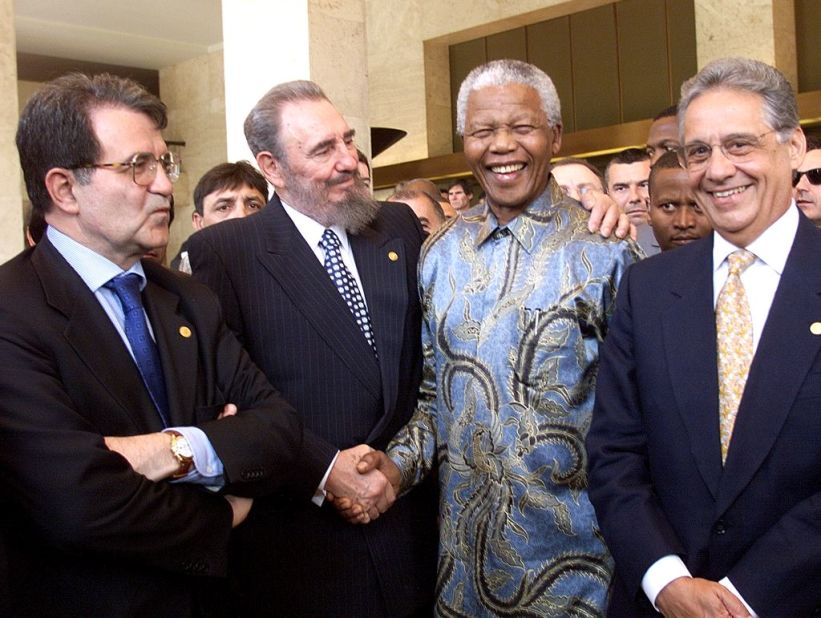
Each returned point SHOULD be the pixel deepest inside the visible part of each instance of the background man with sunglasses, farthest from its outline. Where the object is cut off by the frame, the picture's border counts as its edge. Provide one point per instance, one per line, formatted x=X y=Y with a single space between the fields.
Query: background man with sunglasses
x=705 y=470
x=807 y=182
x=130 y=416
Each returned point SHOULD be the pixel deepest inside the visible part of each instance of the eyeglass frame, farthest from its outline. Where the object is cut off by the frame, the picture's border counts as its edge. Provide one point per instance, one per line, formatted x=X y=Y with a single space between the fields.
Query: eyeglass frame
x=154 y=163
x=682 y=151
x=813 y=176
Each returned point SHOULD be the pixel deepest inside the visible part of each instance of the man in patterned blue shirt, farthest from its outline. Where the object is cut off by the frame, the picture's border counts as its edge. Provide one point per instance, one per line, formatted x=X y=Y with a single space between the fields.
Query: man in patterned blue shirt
x=517 y=295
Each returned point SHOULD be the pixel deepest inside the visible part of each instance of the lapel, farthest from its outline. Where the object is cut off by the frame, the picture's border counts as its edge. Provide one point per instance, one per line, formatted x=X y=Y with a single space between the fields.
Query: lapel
x=784 y=355
x=386 y=291
x=293 y=264
x=688 y=327
x=178 y=354
x=94 y=339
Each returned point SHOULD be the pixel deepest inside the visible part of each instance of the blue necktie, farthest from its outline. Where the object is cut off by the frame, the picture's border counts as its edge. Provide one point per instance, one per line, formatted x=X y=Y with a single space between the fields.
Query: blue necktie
x=127 y=289
x=346 y=284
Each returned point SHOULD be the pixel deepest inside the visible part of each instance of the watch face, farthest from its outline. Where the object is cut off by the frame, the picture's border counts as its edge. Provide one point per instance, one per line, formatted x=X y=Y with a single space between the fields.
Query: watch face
x=181 y=448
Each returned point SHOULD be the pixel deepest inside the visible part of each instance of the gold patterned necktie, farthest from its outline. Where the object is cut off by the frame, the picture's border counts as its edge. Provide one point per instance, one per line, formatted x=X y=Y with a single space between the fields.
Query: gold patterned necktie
x=734 y=335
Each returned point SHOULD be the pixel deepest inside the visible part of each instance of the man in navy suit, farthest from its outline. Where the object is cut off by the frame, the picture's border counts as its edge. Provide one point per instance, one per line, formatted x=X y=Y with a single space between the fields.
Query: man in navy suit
x=131 y=419
x=705 y=470
x=351 y=376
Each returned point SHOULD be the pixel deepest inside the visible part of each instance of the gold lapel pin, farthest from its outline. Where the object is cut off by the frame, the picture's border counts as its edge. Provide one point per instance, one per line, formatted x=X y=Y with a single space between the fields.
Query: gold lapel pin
x=393 y=256
x=815 y=328
x=185 y=331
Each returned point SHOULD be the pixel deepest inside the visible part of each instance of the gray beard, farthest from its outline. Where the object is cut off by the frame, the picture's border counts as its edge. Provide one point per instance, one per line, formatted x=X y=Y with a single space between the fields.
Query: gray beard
x=354 y=212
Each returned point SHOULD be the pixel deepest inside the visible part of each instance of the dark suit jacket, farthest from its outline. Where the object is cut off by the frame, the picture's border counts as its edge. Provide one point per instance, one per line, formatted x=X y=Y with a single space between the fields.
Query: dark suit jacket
x=87 y=535
x=656 y=477
x=299 y=559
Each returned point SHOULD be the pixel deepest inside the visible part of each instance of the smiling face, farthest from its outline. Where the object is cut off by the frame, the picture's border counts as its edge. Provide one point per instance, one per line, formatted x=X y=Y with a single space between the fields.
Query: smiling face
x=674 y=214
x=742 y=199
x=808 y=195
x=508 y=145
x=113 y=215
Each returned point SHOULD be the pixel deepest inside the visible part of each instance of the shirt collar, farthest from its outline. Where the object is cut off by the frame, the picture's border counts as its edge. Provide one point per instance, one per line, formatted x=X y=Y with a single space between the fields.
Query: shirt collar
x=93 y=268
x=311 y=230
x=772 y=247
x=522 y=225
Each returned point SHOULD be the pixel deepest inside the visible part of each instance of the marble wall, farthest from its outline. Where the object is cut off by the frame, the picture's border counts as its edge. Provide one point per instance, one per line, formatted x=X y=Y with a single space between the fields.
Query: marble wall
x=194 y=92
x=11 y=194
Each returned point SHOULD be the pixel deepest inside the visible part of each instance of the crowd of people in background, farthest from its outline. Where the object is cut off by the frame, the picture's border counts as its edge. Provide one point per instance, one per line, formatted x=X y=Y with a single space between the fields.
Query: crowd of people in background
x=555 y=387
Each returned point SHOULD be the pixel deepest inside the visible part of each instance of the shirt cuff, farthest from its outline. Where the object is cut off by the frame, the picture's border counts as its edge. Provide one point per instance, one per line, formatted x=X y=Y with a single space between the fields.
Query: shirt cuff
x=207 y=469
x=729 y=586
x=662 y=572
x=320 y=493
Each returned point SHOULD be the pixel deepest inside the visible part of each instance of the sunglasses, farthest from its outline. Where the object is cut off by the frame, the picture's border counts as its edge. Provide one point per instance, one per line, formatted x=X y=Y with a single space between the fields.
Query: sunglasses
x=814 y=176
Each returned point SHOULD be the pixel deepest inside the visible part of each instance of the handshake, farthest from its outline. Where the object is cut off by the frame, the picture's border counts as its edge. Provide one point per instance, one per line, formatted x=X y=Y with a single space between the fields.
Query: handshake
x=362 y=484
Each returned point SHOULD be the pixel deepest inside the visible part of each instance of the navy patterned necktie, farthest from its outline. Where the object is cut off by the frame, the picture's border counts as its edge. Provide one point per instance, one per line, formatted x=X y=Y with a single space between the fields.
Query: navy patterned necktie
x=127 y=288
x=346 y=284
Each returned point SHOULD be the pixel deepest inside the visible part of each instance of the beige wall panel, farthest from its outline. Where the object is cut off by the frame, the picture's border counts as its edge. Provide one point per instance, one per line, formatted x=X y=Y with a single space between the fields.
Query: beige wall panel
x=11 y=194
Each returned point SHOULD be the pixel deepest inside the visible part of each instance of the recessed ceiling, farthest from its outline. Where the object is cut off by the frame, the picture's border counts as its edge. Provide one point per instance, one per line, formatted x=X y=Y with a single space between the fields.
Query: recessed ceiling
x=148 y=34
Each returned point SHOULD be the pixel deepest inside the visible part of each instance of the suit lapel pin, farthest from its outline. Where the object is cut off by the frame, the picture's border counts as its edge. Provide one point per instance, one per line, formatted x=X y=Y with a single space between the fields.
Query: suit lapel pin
x=185 y=331
x=393 y=256
x=815 y=328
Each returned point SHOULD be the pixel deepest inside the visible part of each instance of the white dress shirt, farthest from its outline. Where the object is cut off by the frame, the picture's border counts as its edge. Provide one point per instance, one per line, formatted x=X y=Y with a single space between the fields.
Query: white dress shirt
x=760 y=281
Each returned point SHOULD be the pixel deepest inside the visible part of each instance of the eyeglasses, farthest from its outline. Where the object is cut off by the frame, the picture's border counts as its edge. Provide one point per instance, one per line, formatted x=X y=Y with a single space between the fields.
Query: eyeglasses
x=143 y=167
x=737 y=149
x=814 y=176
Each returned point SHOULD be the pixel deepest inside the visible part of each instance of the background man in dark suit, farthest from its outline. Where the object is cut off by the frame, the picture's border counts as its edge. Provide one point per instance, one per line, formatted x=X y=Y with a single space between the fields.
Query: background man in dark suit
x=120 y=377
x=705 y=469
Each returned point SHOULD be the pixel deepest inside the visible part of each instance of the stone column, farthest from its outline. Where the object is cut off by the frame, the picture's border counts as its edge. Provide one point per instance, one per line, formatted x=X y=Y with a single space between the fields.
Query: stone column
x=11 y=187
x=266 y=43
x=760 y=29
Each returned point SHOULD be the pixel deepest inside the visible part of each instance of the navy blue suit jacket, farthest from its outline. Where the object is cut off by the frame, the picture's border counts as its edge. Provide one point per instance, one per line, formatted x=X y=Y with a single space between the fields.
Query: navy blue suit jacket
x=656 y=477
x=278 y=298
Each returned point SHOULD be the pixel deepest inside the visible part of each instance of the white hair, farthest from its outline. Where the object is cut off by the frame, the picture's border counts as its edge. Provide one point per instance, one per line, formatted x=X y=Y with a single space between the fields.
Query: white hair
x=501 y=73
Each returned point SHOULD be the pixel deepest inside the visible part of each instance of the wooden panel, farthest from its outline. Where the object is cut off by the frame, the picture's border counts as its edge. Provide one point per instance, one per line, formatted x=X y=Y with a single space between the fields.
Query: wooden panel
x=464 y=57
x=807 y=29
x=642 y=45
x=681 y=33
x=548 y=47
x=595 y=68
x=509 y=44
x=37 y=68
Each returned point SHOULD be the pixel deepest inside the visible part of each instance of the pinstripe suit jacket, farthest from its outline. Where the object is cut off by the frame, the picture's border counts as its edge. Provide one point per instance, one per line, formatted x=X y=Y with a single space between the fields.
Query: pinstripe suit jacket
x=296 y=558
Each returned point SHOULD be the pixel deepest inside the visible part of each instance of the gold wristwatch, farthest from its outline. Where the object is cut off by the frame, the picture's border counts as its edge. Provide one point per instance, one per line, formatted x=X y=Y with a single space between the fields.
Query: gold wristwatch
x=182 y=451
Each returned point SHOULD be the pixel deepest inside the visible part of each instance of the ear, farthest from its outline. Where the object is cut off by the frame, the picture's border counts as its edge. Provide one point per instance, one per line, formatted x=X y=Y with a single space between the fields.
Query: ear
x=271 y=169
x=196 y=221
x=60 y=184
x=798 y=147
x=556 y=146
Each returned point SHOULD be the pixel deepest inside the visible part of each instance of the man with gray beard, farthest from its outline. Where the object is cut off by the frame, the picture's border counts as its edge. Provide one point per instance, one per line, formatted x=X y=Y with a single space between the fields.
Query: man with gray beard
x=321 y=288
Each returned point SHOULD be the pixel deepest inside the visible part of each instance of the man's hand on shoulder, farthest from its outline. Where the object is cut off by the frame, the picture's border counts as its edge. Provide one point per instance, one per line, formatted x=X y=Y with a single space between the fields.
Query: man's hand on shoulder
x=688 y=597
x=606 y=217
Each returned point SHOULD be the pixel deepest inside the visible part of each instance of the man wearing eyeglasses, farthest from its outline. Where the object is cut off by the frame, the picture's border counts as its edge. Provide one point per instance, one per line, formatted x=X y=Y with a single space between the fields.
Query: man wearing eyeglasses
x=131 y=420
x=705 y=469
x=807 y=182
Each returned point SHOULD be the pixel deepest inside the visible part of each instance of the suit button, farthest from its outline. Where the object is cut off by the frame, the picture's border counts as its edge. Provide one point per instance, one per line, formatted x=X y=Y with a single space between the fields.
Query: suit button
x=720 y=527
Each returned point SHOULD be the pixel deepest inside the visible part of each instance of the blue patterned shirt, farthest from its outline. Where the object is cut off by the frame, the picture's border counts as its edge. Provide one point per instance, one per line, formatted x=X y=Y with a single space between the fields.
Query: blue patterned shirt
x=514 y=317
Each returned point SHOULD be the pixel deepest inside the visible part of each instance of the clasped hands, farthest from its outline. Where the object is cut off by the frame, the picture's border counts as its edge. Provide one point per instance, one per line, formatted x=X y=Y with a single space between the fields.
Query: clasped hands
x=363 y=484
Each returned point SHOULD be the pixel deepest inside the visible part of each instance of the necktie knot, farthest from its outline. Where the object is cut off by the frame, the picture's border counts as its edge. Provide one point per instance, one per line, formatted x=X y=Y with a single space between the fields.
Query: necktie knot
x=739 y=261
x=127 y=288
x=330 y=241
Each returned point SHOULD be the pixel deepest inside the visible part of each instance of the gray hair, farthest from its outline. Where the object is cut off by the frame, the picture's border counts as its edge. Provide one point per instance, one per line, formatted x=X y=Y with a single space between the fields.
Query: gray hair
x=746 y=75
x=262 y=126
x=501 y=73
